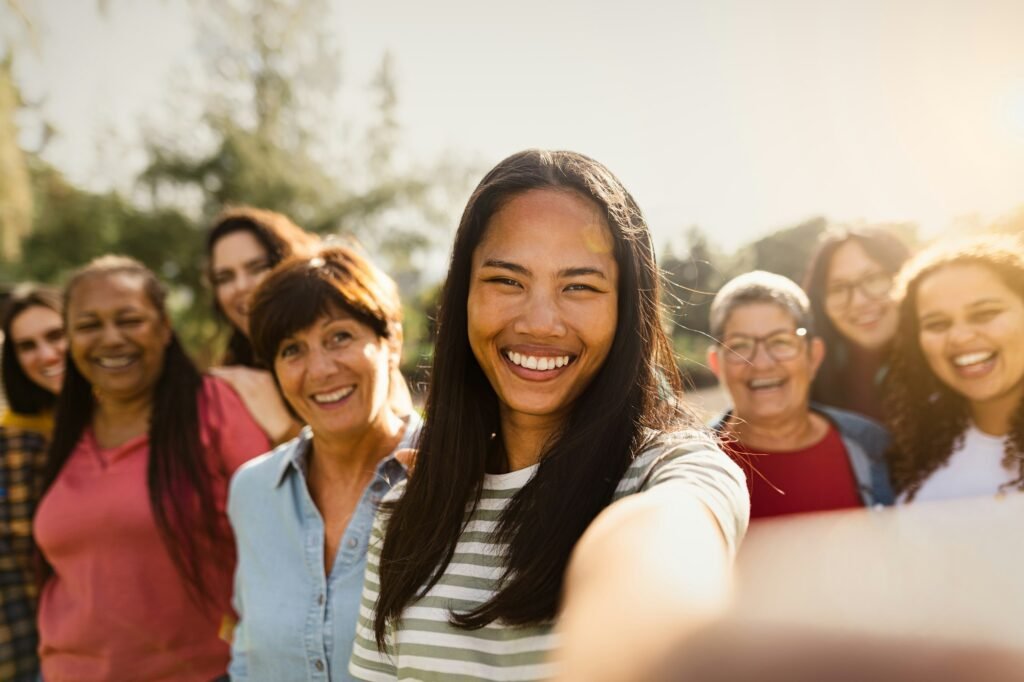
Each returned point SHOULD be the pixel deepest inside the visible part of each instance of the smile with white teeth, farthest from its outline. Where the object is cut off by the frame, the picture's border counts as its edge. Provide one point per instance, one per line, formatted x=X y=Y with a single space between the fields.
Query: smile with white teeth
x=540 y=363
x=765 y=383
x=335 y=396
x=56 y=370
x=968 y=359
x=117 y=362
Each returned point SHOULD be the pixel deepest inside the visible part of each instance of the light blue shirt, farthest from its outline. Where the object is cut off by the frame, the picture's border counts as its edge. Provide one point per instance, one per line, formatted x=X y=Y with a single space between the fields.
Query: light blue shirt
x=295 y=623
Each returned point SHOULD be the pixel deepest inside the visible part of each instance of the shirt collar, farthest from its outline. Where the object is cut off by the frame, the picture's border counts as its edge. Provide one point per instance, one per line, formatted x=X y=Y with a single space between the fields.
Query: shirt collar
x=295 y=458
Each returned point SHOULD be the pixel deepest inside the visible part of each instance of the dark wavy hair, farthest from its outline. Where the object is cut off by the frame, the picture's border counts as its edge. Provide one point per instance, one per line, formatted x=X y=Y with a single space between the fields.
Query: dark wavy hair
x=634 y=394
x=927 y=419
x=885 y=249
x=278 y=236
x=25 y=396
x=177 y=476
x=302 y=290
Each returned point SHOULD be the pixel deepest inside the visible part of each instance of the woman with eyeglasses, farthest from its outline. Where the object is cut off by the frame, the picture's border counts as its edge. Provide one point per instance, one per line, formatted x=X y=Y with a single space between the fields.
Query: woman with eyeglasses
x=849 y=283
x=798 y=456
x=955 y=393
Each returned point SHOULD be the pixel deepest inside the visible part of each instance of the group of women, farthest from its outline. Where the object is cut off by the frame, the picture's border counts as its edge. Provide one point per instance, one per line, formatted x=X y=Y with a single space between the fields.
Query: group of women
x=930 y=346
x=555 y=460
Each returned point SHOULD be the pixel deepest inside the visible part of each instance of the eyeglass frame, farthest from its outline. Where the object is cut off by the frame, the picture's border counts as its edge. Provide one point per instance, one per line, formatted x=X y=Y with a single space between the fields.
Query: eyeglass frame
x=858 y=284
x=733 y=357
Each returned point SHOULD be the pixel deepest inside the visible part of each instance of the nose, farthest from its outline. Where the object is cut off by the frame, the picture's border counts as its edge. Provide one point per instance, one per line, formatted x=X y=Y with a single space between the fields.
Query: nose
x=541 y=317
x=761 y=357
x=110 y=335
x=319 y=363
x=960 y=333
x=50 y=352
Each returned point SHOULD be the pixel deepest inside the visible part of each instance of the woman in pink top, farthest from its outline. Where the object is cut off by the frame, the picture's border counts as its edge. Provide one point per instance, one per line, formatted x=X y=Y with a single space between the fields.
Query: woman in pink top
x=132 y=525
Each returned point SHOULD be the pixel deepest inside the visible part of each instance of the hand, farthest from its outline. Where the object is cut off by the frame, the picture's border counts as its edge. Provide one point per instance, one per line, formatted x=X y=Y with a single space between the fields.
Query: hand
x=259 y=393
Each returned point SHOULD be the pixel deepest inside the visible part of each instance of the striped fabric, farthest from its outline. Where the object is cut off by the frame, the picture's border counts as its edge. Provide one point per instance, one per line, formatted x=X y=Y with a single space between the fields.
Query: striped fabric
x=427 y=647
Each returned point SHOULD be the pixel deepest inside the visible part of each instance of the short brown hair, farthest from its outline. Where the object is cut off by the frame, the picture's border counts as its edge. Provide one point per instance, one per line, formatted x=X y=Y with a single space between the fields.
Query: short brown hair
x=302 y=290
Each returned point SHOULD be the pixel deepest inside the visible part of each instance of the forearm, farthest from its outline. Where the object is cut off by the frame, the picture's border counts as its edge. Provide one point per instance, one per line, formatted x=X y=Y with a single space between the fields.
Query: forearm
x=650 y=569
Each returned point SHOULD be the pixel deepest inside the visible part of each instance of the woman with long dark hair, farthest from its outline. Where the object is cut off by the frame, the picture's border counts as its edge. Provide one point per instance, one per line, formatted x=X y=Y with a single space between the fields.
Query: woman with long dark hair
x=955 y=390
x=33 y=358
x=849 y=282
x=242 y=247
x=557 y=473
x=132 y=528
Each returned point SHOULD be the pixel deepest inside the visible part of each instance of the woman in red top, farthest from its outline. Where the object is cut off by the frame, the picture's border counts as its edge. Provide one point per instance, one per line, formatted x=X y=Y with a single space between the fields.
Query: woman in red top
x=132 y=524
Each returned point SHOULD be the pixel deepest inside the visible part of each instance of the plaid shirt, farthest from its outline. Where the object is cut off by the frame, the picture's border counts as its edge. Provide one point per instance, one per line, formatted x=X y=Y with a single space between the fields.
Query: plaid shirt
x=22 y=458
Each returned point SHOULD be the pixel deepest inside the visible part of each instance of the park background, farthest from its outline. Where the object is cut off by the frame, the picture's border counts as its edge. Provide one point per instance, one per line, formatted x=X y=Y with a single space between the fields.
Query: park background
x=743 y=128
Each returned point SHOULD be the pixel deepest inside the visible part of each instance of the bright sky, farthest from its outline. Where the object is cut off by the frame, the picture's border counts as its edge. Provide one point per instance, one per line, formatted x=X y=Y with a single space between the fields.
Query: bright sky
x=738 y=116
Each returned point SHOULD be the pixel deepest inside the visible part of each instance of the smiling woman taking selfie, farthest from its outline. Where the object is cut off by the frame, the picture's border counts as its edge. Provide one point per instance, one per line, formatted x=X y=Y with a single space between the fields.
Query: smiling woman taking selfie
x=131 y=527
x=557 y=464
x=954 y=393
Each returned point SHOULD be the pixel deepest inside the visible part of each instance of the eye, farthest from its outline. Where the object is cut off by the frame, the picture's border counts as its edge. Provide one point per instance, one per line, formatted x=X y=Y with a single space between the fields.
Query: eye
x=257 y=268
x=338 y=338
x=55 y=335
x=86 y=326
x=580 y=286
x=25 y=346
x=222 y=278
x=288 y=350
x=935 y=326
x=985 y=315
x=130 y=321
x=503 y=281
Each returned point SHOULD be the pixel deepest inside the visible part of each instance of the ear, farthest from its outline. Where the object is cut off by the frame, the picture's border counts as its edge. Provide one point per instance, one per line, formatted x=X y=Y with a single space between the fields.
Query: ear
x=714 y=362
x=817 y=351
x=166 y=332
x=395 y=345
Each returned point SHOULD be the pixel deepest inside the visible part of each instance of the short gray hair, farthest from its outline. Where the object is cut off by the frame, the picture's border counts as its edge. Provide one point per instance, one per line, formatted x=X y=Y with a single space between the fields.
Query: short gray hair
x=759 y=286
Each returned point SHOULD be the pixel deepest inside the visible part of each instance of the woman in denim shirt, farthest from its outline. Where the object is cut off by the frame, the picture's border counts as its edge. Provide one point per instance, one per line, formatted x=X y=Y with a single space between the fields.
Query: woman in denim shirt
x=329 y=328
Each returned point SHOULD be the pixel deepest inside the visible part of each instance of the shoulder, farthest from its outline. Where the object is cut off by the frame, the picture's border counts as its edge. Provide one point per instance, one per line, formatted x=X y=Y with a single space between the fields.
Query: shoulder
x=686 y=451
x=864 y=430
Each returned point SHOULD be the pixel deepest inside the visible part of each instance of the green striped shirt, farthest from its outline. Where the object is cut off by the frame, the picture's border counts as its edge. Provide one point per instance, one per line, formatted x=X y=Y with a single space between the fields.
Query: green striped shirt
x=426 y=646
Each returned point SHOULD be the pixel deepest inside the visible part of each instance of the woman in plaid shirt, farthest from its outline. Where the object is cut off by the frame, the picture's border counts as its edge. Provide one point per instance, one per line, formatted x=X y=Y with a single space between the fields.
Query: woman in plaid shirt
x=33 y=358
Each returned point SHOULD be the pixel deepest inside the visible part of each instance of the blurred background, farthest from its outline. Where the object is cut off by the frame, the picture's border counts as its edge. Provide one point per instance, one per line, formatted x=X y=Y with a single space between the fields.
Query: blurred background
x=743 y=128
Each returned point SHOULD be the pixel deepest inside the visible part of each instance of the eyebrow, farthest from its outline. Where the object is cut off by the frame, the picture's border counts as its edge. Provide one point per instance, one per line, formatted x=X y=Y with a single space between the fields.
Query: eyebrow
x=973 y=304
x=564 y=272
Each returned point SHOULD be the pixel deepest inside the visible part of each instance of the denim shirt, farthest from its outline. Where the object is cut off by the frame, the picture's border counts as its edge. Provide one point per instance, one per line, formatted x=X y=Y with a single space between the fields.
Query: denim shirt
x=293 y=622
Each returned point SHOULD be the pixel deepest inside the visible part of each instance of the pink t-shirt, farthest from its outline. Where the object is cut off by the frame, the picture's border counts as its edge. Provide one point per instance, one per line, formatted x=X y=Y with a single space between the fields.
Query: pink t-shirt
x=116 y=607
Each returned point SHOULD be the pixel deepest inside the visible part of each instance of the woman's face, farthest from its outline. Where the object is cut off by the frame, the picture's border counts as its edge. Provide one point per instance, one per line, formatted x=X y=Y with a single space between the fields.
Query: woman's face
x=37 y=336
x=118 y=338
x=858 y=300
x=971 y=330
x=336 y=374
x=238 y=264
x=543 y=302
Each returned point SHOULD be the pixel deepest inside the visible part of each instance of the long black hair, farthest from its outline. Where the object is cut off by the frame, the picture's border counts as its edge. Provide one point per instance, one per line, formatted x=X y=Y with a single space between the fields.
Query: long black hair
x=278 y=236
x=634 y=394
x=25 y=396
x=882 y=247
x=177 y=476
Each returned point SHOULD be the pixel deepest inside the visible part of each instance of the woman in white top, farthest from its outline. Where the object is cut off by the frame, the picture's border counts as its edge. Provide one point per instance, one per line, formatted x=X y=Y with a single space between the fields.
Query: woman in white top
x=557 y=474
x=954 y=389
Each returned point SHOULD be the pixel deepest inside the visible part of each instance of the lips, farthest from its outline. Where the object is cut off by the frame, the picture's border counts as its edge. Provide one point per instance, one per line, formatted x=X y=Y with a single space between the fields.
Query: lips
x=54 y=371
x=766 y=384
x=116 y=362
x=541 y=363
x=333 y=397
x=974 y=364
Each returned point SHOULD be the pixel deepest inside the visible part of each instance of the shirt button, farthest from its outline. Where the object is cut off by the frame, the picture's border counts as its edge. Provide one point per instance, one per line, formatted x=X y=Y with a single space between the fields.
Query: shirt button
x=320 y=600
x=319 y=665
x=352 y=542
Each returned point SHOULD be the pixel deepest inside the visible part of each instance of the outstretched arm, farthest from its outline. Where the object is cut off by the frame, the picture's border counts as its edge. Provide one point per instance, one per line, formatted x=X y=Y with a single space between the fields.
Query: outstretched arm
x=651 y=568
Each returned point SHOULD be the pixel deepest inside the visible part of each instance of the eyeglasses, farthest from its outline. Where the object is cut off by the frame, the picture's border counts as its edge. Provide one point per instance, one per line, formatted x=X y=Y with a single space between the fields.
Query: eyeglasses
x=780 y=346
x=875 y=286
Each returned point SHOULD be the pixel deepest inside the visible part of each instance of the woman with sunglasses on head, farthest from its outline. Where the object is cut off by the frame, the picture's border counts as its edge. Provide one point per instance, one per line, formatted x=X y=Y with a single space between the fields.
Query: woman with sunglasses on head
x=955 y=391
x=849 y=283
x=557 y=463
x=33 y=357
x=131 y=526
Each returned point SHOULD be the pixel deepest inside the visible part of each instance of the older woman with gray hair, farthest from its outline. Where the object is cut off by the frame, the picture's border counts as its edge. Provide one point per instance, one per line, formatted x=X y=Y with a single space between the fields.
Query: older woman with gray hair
x=798 y=456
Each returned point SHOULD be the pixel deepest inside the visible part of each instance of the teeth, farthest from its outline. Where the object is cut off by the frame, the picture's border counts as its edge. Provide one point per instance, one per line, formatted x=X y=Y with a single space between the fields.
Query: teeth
x=542 y=364
x=766 y=383
x=116 y=362
x=334 y=397
x=968 y=359
x=53 y=371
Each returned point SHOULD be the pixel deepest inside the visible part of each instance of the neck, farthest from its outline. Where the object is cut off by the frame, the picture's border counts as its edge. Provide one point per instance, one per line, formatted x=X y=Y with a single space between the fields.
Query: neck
x=524 y=438
x=995 y=417
x=352 y=457
x=785 y=432
x=118 y=412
